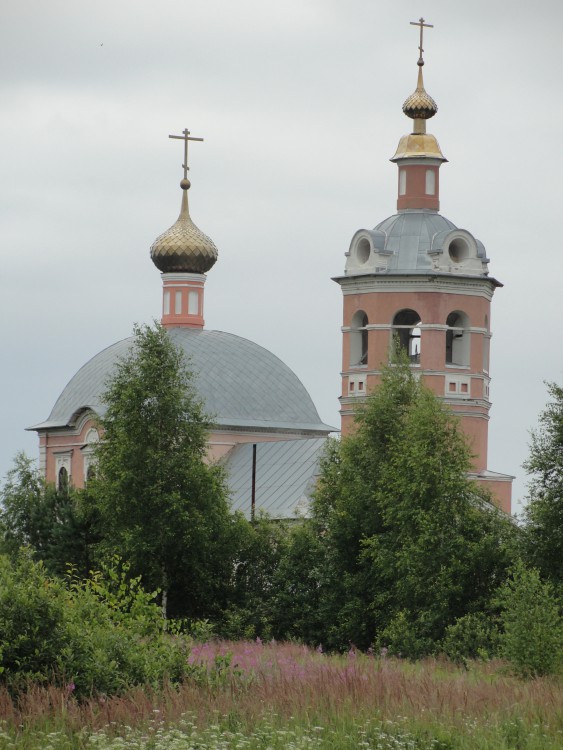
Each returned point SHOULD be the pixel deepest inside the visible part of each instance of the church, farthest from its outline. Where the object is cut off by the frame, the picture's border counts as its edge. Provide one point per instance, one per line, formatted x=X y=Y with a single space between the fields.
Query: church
x=416 y=281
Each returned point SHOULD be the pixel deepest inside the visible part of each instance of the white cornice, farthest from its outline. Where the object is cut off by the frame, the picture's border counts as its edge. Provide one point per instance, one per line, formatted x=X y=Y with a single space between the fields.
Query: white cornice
x=176 y=277
x=458 y=407
x=431 y=283
x=452 y=370
x=472 y=414
x=425 y=326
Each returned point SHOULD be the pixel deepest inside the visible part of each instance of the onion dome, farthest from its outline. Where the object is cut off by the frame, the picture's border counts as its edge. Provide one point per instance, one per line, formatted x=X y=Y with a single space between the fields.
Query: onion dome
x=420 y=105
x=184 y=248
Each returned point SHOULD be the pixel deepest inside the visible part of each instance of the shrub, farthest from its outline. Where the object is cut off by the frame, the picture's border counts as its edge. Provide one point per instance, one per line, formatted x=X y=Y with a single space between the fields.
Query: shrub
x=402 y=637
x=100 y=635
x=32 y=621
x=474 y=636
x=533 y=627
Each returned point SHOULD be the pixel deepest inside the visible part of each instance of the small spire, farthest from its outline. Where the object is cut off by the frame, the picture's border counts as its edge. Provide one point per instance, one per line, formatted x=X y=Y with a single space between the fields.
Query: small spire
x=420 y=106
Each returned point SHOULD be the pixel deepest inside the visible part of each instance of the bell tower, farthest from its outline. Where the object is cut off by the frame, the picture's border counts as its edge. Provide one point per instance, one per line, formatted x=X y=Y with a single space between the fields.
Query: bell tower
x=419 y=282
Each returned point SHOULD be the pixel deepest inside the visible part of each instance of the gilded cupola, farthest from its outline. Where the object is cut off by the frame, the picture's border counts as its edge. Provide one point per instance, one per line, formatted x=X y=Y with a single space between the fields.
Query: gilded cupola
x=184 y=248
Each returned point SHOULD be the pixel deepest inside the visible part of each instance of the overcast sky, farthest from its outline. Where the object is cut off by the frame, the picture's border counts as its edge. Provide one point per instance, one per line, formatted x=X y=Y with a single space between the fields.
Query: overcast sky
x=299 y=103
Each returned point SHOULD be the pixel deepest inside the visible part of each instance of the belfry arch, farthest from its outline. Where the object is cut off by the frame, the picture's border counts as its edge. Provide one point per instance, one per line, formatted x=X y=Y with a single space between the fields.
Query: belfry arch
x=359 y=339
x=406 y=334
x=458 y=341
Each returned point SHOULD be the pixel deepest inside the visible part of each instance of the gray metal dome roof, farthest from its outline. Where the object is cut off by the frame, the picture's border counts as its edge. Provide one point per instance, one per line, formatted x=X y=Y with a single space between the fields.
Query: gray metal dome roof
x=242 y=384
x=416 y=242
x=409 y=237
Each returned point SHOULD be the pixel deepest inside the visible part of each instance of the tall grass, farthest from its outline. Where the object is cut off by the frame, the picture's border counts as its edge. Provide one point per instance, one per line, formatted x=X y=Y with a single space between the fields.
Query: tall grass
x=258 y=692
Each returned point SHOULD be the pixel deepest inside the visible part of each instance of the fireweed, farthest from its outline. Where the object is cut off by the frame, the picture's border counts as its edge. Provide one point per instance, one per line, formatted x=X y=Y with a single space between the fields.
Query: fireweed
x=285 y=696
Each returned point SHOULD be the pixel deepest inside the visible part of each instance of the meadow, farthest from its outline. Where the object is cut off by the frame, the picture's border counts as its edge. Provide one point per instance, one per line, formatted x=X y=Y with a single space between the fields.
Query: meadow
x=274 y=696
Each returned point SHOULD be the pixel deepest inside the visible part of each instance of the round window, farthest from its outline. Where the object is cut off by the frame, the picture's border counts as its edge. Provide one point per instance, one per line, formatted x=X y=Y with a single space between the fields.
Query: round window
x=459 y=250
x=363 y=250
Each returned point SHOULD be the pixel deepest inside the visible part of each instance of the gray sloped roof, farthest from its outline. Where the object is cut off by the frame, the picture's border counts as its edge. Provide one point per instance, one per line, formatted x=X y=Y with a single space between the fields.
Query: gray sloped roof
x=286 y=473
x=409 y=238
x=242 y=384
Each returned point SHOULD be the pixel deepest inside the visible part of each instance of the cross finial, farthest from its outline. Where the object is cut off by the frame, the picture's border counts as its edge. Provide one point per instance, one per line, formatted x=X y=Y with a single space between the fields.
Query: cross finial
x=185 y=137
x=423 y=26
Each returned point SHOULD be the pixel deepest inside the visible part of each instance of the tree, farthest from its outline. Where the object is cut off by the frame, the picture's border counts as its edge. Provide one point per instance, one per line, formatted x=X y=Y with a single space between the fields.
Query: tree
x=261 y=546
x=532 y=638
x=412 y=543
x=22 y=494
x=162 y=507
x=544 y=513
x=58 y=526
x=298 y=588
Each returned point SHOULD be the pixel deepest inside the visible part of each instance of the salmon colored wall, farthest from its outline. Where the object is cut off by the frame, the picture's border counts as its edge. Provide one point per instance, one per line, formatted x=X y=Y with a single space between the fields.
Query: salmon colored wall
x=415 y=195
x=433 y=308
x=183 y=319
x=501 y=492
x=54 y=443
x=219 y=444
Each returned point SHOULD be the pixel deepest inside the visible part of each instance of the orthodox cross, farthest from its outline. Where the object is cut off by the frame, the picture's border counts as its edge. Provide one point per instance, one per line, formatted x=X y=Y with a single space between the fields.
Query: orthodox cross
x=422 y=27
x=186 y=137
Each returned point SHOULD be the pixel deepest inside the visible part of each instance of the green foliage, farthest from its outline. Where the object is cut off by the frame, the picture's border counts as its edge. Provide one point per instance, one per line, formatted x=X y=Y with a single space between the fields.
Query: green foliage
x=261 y=547
x=21 y=495
x=473 y=636
x=99 y=635
x=161 y=506
x=277 y=583
x=300 y=586
x=412 y=544
x=544 y=514
x=59 y=528
x=32 y=621
x=200 y=631
x=533 y=626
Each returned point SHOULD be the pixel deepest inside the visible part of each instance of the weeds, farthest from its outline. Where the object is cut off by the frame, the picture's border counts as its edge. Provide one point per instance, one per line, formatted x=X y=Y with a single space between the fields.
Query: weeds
x=254 y=696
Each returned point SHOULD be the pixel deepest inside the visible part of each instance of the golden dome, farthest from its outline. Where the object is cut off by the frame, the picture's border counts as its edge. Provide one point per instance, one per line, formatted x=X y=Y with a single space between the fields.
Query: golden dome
x=184 y=248
x=420 y=105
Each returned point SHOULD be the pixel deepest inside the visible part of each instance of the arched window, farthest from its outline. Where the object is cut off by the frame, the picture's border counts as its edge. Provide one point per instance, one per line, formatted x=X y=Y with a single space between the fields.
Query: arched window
x=88 y=453
x=407 y=334
x=359 y=339
x=62 y=480
x=457 y=339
